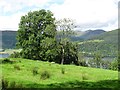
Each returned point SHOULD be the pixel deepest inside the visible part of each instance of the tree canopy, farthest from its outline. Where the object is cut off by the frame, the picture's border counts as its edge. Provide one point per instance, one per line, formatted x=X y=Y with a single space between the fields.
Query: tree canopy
x=36 y=34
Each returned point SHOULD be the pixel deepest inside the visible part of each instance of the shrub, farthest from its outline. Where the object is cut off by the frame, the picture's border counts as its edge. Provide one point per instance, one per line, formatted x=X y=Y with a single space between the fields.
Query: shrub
x=84 y=76
x=17 y=67
x=35 y=70
x=63 y=70
x=4 y=84
x=15 y=55
x=7 y=60
x=15 y=85
x=45 y=75
x=12 y=84
x=19 y=86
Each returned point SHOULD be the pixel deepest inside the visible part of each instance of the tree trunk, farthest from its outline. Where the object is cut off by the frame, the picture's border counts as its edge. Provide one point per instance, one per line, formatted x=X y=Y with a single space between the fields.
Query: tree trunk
x=62 y=55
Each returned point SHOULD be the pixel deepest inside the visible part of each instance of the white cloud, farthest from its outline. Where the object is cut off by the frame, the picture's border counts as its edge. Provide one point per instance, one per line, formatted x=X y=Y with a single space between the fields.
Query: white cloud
x=12 y=10
x=15 y=5
x=87 y=11
x=10 y=22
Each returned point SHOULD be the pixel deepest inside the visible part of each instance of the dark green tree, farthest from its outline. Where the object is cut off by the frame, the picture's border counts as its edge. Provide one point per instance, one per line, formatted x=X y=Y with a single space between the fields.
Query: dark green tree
x=36 y=34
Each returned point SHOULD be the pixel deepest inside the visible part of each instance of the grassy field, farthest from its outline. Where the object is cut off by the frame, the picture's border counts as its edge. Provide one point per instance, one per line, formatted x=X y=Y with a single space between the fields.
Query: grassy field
x=24 y=73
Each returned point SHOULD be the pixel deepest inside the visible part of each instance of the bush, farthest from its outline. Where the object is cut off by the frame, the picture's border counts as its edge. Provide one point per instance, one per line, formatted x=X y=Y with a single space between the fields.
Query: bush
x=15 y=85
x=63 y=70
x=15 y=55
x=12 y=84
x=7 y=60
x=45 y=75
x=17 y=67
x=35 y=70
x=84 y=76
x=114 y=65
x=4 y=84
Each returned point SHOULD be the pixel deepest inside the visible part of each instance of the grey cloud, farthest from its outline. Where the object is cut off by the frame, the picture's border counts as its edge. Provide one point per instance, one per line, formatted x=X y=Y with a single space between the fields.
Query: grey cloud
x=97 y=24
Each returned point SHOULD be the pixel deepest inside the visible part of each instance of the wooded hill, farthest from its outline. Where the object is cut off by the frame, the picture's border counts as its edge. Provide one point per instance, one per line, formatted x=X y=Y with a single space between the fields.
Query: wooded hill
x=105 y=43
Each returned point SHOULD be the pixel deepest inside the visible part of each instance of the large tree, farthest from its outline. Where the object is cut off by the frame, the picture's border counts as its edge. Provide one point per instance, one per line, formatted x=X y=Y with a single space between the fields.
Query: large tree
x=36 y=34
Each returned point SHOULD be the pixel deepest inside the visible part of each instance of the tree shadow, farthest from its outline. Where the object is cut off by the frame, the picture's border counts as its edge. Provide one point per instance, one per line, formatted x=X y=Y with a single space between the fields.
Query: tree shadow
x=112 y=84
x=78 y=85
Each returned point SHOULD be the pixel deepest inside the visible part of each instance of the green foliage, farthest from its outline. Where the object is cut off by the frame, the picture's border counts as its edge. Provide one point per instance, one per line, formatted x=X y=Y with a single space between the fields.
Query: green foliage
x=5 y=83
x=17 y=67
x=67 y=49
x=107 y=45
x=12 y=84
x=84 y=76
x=63 y=70
x=97 y=62
x=7 y=60
x=97 y=59
x=81 y=60
x=36 y=34
x=45 y=75
x=35 y=71
x=114 y=65
x=15 y=55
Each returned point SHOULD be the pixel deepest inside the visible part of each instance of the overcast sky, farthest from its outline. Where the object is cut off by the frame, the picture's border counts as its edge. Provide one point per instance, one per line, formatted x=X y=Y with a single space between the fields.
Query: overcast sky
x=88 y=14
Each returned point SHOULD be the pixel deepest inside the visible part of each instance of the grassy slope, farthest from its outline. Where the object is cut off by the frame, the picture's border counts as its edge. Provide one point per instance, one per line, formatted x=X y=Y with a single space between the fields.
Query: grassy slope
x=75 y=76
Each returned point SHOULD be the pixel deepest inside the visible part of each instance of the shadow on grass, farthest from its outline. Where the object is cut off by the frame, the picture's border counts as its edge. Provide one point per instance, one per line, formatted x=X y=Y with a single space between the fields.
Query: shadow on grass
x=84 y=85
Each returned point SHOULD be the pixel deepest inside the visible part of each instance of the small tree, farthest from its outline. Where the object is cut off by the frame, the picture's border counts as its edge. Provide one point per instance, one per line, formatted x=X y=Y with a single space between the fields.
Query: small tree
x=97 y=59
x=65 y=30
x=114 y=64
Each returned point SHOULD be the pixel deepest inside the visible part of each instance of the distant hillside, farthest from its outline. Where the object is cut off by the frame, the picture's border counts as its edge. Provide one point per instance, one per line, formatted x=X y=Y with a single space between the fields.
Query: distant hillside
x=85 y=35
x=105 y=43
x=91 y=33
x=8 y=39
x=111 y=36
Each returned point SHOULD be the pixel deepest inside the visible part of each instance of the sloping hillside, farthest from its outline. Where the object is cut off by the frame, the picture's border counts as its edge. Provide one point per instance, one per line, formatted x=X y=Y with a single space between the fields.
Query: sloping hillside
x=24 y=73
x=91 y=33
x=111 y=36
x=85 y=35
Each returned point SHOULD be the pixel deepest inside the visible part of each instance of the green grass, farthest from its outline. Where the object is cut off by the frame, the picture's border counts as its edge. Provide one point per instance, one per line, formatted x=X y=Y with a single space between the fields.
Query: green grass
x=73 y=76
x=98 y=41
